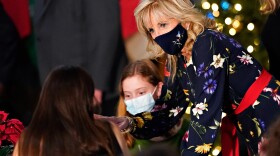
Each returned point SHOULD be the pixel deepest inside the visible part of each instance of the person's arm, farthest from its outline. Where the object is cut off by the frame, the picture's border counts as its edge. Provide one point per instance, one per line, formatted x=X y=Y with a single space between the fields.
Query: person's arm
x=209 y=85
x=120 y=140
x=166 y=113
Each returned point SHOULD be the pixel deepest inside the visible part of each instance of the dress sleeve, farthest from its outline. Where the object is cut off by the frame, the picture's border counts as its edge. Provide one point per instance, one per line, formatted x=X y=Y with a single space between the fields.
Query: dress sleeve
x=166 y=113
x=209 y=89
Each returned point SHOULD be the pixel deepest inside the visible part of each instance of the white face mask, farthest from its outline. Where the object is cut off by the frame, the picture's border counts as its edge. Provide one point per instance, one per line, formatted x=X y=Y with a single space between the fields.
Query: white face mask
x=144 y=103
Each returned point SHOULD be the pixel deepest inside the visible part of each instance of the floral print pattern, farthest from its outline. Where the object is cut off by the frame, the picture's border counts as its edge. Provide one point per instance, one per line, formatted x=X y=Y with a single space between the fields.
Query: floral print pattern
x=199 y=108
x=215 y=81
x=246 y=58
x=218 y=61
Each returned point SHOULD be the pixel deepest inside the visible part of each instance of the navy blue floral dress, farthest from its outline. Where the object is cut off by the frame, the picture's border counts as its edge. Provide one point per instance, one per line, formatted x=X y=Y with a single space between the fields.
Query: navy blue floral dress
x=213 y=81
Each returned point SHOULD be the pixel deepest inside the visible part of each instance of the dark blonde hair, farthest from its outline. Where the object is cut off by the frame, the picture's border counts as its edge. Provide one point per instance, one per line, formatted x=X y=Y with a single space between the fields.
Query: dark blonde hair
x=183 y=11
x=145 y=68
x=269 y=6
x=63 y=122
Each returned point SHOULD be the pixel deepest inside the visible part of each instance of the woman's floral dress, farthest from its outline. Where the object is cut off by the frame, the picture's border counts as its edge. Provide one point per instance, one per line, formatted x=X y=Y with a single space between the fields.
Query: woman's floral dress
x=213 y=81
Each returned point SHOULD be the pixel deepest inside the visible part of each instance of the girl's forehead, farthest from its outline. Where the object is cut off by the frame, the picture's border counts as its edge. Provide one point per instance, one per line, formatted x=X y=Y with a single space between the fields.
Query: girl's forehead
x=135 y=82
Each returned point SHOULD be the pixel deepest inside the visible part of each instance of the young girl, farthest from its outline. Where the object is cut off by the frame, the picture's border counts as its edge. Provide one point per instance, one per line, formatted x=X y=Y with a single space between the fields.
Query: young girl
x=141 y=87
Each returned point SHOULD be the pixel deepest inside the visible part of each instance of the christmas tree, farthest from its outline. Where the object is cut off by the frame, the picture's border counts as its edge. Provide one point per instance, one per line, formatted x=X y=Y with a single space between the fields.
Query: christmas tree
x=240 y=19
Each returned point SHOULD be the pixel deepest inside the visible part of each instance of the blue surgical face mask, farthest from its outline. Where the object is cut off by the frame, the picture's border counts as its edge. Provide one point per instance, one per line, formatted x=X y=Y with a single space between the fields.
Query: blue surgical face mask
x=173 y=42
x=144 y=103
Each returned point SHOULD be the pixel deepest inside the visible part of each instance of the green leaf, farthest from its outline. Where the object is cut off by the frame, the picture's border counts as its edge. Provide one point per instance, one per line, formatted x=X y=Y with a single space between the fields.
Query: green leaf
x=199 y=128
x=167 y=95
x=5 y=150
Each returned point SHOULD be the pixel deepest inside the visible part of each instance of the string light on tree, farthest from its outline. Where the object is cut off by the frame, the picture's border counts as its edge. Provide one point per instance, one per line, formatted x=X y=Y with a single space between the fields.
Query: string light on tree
x=210 y=15
x=205 y=5
x=232 y=31
x=216 y=151
x=250 y=48
x=225 y=5
x=228 y=21
x=234 y=18
x=238 y=7
x=250 y=26
x=216 y=13
x=256 y=42
x=215 y=7
x=236 y=24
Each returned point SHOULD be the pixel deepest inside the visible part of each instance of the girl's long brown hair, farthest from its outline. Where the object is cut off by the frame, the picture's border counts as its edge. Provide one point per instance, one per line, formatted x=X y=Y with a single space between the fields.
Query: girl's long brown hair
x=62 y=123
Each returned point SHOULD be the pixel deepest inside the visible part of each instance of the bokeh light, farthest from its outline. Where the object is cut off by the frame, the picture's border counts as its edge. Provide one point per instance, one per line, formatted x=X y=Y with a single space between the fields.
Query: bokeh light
x=228 y=21
x=250 y=26
x=250 y=48
x=225 y=5
x=236 y=24
x=210 y=15
x=217 y=150
x=206 y=5
x=232 y=31
x=216 y=13
x=215 y=7
x=238 y=7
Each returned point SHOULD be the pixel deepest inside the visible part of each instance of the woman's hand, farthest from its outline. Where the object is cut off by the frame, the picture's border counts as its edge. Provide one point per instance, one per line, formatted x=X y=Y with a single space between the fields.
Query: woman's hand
x=121 y=122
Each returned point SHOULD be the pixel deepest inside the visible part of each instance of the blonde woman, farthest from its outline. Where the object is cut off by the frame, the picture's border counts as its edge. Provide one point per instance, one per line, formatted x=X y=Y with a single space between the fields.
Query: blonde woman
x=212 y=73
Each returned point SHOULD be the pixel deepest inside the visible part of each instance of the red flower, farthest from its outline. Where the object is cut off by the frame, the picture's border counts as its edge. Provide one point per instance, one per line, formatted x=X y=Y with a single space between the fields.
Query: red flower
x=11 y=129
x=186 y=137
x=3 y=117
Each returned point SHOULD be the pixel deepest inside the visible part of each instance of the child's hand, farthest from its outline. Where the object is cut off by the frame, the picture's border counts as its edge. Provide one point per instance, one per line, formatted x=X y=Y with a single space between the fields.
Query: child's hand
x=121 y=122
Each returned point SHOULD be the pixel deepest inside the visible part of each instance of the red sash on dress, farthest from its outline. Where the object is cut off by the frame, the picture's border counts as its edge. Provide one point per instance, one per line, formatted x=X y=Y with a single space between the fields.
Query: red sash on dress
x=230 y=143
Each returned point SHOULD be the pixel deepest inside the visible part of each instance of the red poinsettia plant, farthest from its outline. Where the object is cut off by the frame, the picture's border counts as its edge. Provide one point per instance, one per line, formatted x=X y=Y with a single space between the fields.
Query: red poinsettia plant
x=10 y=129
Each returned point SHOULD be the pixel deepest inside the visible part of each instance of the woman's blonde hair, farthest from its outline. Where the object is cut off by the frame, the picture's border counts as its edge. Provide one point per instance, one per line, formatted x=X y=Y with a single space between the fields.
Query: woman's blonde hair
x=269 y=6
x=181 y=10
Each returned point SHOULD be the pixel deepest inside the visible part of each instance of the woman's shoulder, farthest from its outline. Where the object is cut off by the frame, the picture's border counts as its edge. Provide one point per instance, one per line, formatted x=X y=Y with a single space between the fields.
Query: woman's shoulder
x=214 y=36
x=211 y=34
x=207 y=37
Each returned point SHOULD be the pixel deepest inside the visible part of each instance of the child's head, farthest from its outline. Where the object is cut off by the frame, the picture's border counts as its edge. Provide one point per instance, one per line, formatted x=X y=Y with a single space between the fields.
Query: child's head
x=140 y=78
x=67 y=90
